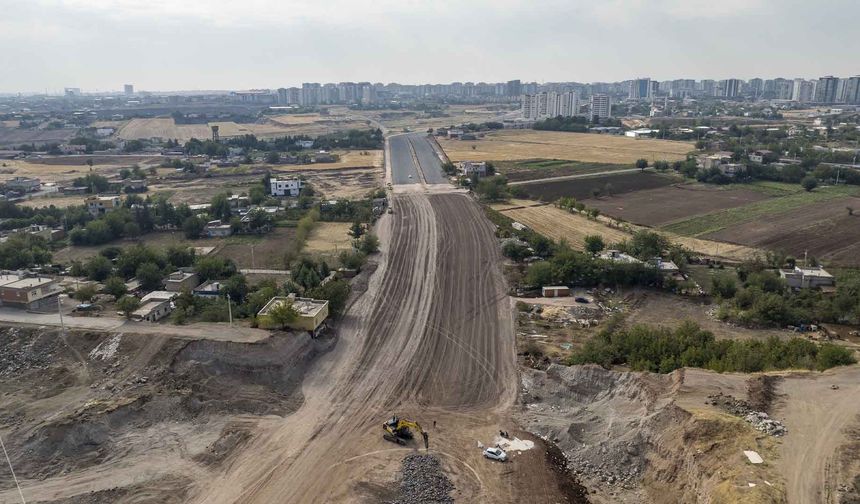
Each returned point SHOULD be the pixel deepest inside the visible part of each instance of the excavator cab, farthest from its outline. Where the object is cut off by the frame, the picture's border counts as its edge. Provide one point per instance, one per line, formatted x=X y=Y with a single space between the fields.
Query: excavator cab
x=399 y=430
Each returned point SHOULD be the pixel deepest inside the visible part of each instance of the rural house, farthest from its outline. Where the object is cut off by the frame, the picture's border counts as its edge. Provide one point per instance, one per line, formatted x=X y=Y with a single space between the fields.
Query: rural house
x=217 y=229
x=23 y=184
x=618 y=256
x=760 y=156
x=29 y=293
x=809 y=277
x=179 y=281
x=100 y=205
x=154 y=306
x=470 y=168
x=312 y=312
x=286 y=187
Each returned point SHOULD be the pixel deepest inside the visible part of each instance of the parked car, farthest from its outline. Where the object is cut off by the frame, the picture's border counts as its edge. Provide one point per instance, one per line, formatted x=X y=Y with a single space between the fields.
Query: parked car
x=496 y=454
x=580 y=299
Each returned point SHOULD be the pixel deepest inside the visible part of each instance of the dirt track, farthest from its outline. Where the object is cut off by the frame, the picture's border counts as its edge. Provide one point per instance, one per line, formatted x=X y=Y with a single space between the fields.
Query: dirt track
x=432 y=339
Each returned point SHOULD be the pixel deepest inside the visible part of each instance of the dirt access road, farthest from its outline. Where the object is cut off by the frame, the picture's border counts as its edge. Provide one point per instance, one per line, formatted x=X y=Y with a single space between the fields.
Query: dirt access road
x=432 y=340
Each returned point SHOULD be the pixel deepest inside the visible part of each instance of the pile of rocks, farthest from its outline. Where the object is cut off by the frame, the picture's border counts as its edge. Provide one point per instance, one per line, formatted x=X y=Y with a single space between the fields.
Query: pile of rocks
x=22 y=352
x=619 y=464
x=738 y=407
x=763 y=423
x=423 y=482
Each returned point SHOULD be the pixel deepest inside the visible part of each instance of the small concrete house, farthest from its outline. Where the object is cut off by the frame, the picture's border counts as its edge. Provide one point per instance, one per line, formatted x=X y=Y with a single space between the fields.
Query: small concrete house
x=100 y=205
x=217 y=229
x=179 y=281
x=312 y=312
x=286 y=187
x=555 y=291
x=29 y=293
x=809 y=277
x=154 y=306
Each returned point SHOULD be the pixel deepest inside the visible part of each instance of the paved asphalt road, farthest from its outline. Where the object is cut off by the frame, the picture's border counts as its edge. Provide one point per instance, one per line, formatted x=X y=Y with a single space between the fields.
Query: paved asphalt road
x=404 y=170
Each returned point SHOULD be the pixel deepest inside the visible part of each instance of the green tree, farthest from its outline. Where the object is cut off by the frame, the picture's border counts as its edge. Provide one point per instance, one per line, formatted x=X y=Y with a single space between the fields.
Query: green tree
x=214 y=268
x=193 y=227
x=594 y=244
x=540 y=274
x=356 y=230
x=115 y=287
x=368 y=244
x=809 y=183
x=98 y=268
x=335 y=292
x=283 y=314
x=641 y=163
x=86 y=293
x=149 y=275
x=272 y=157
x=257 y=194
x=515 y=251
x=127 y=305
x=724 y=286
x=220 y=207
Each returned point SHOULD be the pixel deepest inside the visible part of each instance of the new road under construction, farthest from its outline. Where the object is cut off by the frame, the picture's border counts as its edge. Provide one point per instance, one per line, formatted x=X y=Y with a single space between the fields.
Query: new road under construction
x=431 y=340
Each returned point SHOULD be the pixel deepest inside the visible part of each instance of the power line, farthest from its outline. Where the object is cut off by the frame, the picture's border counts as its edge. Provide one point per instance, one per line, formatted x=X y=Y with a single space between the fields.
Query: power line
x=13 y=471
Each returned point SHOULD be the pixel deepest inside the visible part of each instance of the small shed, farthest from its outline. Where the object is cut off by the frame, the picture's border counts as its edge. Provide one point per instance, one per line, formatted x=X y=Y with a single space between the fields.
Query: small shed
x=555 y=291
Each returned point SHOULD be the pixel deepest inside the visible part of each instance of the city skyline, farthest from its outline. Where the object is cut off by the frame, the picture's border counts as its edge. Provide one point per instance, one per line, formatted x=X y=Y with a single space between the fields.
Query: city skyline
x=195 y=45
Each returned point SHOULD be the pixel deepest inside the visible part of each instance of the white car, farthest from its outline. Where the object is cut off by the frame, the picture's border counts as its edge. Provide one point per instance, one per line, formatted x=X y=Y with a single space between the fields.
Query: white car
x=496 y=454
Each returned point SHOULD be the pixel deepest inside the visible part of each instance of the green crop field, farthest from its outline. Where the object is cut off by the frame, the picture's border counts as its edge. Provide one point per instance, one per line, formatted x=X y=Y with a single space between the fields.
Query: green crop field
x=715 y=221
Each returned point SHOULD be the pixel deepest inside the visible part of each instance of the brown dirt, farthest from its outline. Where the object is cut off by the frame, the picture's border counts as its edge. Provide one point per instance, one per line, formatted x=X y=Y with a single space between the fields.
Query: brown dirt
x=654 y=207
x=823 y=229
x=581 y=188
x=111 y=417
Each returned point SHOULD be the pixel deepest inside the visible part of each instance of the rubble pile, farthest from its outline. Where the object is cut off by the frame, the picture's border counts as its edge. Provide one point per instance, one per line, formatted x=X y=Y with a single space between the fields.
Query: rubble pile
x=23 y=352
x=760 y=420
x=423 y=482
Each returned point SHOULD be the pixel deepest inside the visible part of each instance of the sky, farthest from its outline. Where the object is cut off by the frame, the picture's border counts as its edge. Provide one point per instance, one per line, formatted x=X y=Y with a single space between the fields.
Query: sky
x=172 y=45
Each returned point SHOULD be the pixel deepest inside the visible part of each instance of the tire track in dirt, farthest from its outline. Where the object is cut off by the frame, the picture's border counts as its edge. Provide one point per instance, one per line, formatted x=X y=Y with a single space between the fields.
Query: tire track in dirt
x=436 y=335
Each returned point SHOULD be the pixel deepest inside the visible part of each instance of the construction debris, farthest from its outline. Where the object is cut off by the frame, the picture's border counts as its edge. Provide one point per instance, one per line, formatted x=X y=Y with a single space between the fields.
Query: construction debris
x=758 y=419
x=422 y=481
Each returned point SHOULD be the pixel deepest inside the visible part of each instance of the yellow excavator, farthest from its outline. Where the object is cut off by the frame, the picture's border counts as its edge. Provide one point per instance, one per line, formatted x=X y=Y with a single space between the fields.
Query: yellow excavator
x=398 y=430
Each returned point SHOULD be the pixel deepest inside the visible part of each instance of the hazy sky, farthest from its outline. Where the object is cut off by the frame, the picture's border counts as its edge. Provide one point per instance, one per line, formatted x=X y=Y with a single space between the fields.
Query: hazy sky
x=236 y=44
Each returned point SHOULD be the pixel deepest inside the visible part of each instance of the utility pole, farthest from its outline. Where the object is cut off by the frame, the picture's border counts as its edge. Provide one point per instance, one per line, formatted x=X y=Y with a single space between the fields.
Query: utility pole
x=230 y=309
x=60 y=312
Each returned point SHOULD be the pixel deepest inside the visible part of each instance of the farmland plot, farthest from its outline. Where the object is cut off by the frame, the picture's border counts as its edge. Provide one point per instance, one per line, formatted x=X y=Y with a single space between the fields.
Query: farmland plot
x=605 y=184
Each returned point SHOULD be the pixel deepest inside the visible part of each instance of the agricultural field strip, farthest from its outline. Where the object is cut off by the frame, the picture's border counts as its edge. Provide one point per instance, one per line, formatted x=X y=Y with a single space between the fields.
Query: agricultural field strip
x=716 y=221
x=558 y=224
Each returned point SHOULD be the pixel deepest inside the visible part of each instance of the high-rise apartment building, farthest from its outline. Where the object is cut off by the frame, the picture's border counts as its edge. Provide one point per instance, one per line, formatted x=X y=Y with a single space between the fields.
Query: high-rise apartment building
x=825 y=89
x=640 y=89
x=601 y=106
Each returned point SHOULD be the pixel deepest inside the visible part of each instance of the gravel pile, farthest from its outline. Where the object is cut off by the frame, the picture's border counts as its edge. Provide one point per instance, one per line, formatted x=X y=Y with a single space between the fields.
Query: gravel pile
x=22 y=352
x=738 y=407
x=423 y=482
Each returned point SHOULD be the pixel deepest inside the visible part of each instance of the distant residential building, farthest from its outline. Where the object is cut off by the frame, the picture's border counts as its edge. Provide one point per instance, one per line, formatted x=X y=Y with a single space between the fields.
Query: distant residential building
x=807 y=277
x=179 y=281
x=286 y=187
x=24 y=184
x=640 y=89
x=217 y=229
x=513 y=88
x=128 y=89
x=534 y=106
x=469 y=168
x=29 y=293
x=100 y=205
x=155 y=306
x=731 y=88
x=825 y=89
x=852 y=90
x=601 y=106
x=311 y=312
x=760 y=156
x=802 y=90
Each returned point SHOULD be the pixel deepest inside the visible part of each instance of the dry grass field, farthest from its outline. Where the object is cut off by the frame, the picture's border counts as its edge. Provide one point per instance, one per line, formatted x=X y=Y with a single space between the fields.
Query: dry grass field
x=65 y=168
x=162 y=127
x=328 y=238
x=558 y=224
x=507 y=145
x=397 y=120
x=348 y=159
x=58 y=201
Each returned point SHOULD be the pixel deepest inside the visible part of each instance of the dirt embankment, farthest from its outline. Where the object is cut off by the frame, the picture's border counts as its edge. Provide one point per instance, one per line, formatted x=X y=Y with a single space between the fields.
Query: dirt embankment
x=627 y=440
x=139 y=414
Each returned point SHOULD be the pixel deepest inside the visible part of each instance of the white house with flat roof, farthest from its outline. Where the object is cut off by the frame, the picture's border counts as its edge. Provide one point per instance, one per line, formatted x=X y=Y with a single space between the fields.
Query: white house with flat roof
x=286 y=187
x=808 y=277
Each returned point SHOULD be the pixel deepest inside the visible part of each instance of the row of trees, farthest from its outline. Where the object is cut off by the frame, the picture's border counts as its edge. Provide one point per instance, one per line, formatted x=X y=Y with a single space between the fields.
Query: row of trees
x=663 y=350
